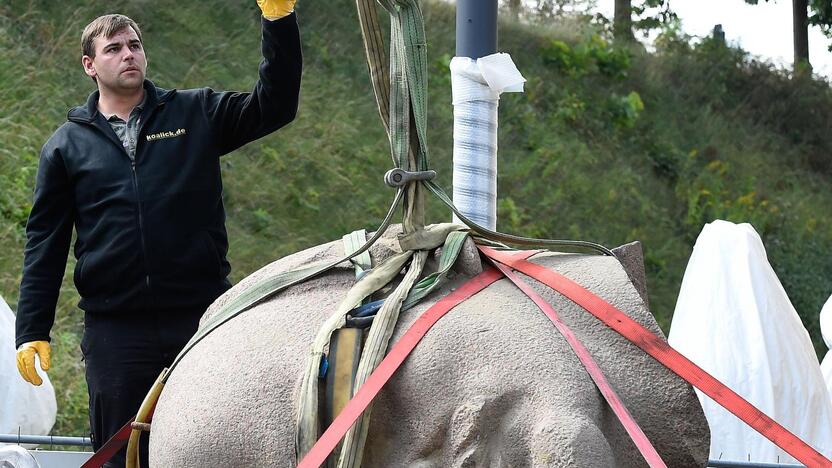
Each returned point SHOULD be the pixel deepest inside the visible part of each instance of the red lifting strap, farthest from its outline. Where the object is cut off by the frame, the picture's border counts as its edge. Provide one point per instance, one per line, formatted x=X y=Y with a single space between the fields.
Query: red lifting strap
x=362 y=399
x=106 y=452
x=630 y=425
x=669 y=357
x=114 y=444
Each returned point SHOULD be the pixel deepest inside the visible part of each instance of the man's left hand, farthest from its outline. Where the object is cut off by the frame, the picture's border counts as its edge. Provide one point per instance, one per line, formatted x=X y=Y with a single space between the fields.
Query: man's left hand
x=276 y=9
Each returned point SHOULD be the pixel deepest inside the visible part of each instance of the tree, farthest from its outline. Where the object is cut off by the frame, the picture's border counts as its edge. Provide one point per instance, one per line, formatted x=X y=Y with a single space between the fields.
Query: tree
x=514 y=8
x=800 y=28
x=623 y=20
x=806 y=12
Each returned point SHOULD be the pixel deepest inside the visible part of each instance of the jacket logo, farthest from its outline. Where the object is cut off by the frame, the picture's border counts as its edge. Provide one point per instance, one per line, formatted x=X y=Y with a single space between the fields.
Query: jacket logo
x=162 y=135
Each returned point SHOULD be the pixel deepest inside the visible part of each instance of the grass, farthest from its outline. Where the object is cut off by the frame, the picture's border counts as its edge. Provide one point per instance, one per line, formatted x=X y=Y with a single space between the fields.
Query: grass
x=719 y=136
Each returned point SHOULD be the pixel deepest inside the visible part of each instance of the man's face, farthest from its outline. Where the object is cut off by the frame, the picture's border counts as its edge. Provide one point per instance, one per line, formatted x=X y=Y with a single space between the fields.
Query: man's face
x=119 y=64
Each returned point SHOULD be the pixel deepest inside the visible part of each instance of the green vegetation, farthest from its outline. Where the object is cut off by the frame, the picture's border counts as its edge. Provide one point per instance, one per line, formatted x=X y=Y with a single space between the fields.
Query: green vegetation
x=607 y=144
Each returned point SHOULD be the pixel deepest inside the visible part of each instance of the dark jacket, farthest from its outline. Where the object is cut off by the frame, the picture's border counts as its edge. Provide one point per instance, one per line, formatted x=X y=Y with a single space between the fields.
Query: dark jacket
x=150 y=234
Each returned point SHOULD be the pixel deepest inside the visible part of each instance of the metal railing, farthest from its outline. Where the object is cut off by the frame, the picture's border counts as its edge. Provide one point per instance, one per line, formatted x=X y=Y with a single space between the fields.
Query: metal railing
x=45 y=440
x=739 y=464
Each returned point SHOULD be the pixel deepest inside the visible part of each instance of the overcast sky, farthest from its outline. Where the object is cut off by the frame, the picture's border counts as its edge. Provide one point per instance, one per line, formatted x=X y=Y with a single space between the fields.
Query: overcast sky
x=764 y=30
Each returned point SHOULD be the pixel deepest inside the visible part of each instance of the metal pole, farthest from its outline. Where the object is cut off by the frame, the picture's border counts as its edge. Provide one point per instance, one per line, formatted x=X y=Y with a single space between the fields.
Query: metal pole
x=476 y=28
x=45 y=440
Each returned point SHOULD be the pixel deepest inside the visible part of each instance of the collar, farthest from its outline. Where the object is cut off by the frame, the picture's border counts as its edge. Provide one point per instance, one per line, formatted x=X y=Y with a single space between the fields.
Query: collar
x=153 y=97
x=138 y=108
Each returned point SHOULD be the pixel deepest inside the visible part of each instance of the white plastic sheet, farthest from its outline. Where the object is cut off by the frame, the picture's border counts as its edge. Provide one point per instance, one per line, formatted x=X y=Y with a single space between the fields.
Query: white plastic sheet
x=734 y=319
x=485 y=78
x=12 y=456
x=23 y=407
x=826 y=331
x=476 y=86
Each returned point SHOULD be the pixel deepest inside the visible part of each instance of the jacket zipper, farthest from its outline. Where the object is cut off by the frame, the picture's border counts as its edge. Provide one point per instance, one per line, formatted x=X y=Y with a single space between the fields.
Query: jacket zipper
x=147 y=280
x=133 y=163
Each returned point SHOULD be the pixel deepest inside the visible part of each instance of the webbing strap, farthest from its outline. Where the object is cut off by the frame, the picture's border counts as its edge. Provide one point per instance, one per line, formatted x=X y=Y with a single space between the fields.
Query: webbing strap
x=408 y=81
x=352 y=242
x=375 y=347
x=661 y=351
x=307 y=422
x=490 y=235
x=402 y=96
x=450 y=253
x=117 y=442
x=307 y=416
x=391 y=363
x=376 y=58
x=630 y=425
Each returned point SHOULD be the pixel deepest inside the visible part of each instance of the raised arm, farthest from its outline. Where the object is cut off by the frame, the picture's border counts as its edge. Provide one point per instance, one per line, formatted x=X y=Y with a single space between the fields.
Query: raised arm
x=238 y=118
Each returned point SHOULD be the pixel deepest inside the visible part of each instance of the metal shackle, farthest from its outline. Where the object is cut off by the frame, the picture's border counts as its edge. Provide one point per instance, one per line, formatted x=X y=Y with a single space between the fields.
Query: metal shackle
x=399 y=177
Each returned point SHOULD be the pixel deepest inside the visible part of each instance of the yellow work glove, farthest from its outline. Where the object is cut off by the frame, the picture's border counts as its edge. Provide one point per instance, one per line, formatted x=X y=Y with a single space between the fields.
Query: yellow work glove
x=26 y=360
x=275 y=9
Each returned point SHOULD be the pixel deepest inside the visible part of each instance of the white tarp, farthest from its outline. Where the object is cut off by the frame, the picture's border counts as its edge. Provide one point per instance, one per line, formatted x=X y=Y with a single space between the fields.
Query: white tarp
x=23 y=407
x=734 y=319
x=12 y=456
x=826 y=331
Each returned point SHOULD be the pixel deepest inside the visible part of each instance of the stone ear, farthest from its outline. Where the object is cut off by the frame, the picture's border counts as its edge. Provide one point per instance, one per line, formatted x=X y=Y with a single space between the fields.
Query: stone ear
x=631 y=257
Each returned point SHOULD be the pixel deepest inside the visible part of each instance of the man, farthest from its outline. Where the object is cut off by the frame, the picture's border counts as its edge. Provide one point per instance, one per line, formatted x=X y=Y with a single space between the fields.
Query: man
x=136 y=171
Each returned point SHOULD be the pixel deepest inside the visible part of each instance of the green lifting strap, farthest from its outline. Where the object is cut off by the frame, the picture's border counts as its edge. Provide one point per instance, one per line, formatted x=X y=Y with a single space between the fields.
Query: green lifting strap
x=500 y=237
x=450 y=253
x=379 y=68
x=375 y=348
x=352 y=243
x=307 y=417
x=401 y=94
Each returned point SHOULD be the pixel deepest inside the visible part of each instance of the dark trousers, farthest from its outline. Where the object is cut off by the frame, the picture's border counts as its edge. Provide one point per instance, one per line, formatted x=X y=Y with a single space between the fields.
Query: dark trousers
x=124 y=355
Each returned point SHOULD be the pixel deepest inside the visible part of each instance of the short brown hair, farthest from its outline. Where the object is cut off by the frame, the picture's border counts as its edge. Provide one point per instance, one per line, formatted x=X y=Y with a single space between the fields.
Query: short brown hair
x=106 y=26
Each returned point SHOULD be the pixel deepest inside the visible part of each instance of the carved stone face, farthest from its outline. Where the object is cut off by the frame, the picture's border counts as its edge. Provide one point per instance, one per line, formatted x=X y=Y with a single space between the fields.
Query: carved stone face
x=491 y=384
